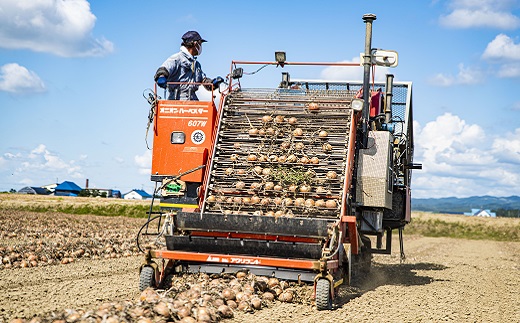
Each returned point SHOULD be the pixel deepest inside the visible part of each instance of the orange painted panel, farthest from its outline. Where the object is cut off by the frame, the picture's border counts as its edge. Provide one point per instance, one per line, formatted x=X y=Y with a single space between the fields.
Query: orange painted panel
x=182 y=137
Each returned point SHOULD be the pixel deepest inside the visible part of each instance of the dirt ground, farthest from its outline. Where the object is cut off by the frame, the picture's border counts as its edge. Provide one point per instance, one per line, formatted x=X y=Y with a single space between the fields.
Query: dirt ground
x=442 y=279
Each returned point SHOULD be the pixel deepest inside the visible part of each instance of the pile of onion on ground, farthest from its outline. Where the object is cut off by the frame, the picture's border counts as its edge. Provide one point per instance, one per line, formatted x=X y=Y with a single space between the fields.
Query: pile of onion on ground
x=30 y=239
x=192 y=298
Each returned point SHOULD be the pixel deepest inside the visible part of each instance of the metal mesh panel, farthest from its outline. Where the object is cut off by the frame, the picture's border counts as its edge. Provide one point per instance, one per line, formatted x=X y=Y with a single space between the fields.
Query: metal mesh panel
x=305 y=168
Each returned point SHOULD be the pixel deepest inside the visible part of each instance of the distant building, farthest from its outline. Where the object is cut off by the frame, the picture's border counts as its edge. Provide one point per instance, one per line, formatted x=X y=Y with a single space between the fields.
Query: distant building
x=482 y=213
x=137 y=195
x=50 y=187
x=34 y=190
x=67 y=189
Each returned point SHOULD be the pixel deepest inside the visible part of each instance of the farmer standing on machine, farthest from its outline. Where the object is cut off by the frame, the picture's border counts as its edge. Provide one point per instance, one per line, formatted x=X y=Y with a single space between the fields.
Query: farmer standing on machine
x=181 y=73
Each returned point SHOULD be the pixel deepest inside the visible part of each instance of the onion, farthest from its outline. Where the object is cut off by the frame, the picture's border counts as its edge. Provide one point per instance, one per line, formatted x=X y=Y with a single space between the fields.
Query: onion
x=252 y=157
x=256 y=303
x=265 y=201
x=246 y=200
x=287 y=201
x=298 y=132
x=229 y=171
x=234 y=157
x=228 y=293
x=237 y=200
x=266 y=171
x=211 y=199
x=293 y=120
x=319 y=203
x=326 y=147
x=273 y=158
x=255 y=199
x=293 y=188
x=331 y=175
x=278 y=187
x=272 y=282
x=232 y=304
x=253 y=132
x=162 y=309
x=244 y=306
x=309 y=202
x=267 y=118
x=304 y=160
x=262 y=158
x=279 y=119
x=277 y=200
x=299 y=146
x=300 y=201
x=268 y=296
x=313 y=106
x=323 y=134
x=269 y=213
x=282 y=159
x=269 y=186
x=185 y=313
x=270 y=131
x=315 y=160
x=321 y=190
x=331 y=204
x=261 y=132
x=225 y=311
x=286 y=296
x=292 y=159
x=305 y=188
x=285 y=145
x=240 y=185
x=258 y=170
x=240 y=171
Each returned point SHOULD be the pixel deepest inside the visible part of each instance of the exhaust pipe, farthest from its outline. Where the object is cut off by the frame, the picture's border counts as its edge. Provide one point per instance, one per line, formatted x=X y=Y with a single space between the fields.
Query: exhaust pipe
x=367 y=63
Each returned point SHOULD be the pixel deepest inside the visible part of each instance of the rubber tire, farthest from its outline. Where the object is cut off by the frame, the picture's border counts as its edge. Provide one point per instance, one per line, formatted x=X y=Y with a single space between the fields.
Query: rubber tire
x=323 y=298
x=146 y=278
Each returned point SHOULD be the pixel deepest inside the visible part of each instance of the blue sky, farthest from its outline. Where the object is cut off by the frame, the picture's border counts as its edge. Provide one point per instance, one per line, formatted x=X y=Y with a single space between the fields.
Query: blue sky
x=72 y=74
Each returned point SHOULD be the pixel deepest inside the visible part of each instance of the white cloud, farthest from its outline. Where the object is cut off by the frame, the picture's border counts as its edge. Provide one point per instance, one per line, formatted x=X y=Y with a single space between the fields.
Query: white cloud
x=38 y=166
x=18 y=79
x=144 y=162
x=466 y=75
x=463 y=158
x=506 y=53
x=63 y=28
x=480 y=13
x=349 y=73
x=507 y=149
x=502 y=48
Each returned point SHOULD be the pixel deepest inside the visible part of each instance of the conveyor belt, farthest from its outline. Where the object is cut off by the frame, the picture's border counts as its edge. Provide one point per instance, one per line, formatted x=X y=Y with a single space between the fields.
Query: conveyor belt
x=270 y=159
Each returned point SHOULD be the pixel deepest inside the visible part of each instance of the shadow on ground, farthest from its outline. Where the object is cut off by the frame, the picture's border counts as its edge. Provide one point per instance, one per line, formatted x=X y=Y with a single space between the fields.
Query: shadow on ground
x=386 y=274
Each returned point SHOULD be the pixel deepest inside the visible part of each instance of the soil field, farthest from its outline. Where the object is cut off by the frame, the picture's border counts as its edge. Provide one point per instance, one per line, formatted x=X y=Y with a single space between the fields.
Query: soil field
x=85 y=268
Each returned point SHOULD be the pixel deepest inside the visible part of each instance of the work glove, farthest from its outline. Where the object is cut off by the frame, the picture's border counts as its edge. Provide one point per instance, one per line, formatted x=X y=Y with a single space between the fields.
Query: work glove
x=161 y=77
x=161 y=81
x=215 y=83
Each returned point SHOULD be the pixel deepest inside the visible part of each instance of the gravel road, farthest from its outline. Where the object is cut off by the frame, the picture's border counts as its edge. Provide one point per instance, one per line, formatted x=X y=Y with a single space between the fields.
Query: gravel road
x=442 y=279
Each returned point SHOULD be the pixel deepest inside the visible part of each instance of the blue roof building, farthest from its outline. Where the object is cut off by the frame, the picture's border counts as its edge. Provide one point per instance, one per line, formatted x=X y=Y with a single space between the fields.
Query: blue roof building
x=136 y=194
x=67 y=189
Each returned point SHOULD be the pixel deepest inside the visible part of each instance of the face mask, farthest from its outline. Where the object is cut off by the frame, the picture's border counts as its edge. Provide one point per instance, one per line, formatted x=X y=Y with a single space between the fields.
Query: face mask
x=199 y=48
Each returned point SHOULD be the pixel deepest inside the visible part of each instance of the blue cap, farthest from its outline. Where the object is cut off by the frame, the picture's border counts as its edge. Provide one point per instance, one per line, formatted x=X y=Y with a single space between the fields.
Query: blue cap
x=192 y=36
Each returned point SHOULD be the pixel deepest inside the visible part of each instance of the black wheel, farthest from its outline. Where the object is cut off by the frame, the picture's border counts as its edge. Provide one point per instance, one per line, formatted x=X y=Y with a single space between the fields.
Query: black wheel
x=323 y=298
x=146 y=278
